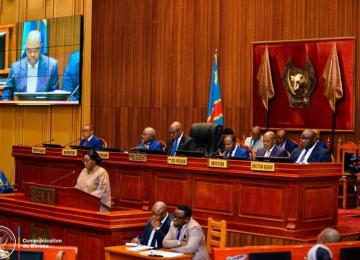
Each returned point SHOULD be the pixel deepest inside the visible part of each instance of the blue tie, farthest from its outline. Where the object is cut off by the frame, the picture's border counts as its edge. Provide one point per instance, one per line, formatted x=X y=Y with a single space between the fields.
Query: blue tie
x=173 y=150
x=178 y=233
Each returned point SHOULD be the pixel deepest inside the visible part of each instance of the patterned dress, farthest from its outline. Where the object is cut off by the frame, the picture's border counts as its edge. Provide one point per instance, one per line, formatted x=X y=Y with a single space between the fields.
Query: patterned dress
x=96 y=183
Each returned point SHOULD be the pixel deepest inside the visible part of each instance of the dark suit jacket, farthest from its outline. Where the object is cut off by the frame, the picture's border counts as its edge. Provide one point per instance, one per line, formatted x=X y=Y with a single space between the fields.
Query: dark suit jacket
x=187 y=143
x=319 y=154
x=159 y=234
x=276 y=152
x=94 y=142
x=290 y=146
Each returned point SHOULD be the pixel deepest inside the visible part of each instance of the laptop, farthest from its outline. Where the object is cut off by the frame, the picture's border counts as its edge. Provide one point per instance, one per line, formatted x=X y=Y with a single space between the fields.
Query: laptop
x=190 y=153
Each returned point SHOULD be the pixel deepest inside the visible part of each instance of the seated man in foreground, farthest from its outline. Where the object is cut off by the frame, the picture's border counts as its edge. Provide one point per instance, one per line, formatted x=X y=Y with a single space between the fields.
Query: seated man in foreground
x=156 y=228
x=270 y=148
x=185 y=235
x=309 y=151
x=320 y=251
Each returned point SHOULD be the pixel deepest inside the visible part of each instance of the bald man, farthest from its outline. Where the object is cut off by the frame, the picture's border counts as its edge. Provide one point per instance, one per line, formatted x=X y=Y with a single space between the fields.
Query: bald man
x=156 y=228
x=308 y=150
x=320 y=251
x=178 y=140
x=148 y=140
x=270 y=148
x=34 y=73
x=255 y=140
x=284 y=142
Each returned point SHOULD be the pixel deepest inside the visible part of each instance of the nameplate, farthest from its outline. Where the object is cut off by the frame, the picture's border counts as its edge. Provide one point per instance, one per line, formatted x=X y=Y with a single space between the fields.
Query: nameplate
x=263 y=166
x=218 y=163
x=69 y=152
x=103 y=155
x=38 y=150
x=138 y=157
x=177 y=160
x=44 y=195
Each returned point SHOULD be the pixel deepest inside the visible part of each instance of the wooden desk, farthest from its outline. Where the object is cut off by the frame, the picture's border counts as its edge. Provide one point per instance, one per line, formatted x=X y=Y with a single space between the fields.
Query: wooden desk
x=89 y=231
x=121 y=252
x=293 y=201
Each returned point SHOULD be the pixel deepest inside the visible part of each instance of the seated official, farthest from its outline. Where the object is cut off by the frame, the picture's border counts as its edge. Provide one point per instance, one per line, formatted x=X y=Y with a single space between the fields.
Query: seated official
x=233 y=149
x=5 y=186
x=255 y=140
x=89 y=139
x=34 y=73
x=94 y=180
x=309 y=150
x=284 y=142
x=270 y=148
x=224 y=133
x=178 y=140
x=156 y=228
x=185 y=235
x=148 y=140
x=320 y=251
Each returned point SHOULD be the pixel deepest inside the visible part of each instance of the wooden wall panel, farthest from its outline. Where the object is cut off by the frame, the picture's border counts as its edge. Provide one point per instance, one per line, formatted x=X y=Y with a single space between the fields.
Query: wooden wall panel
x=152 y=59
x=33 y=125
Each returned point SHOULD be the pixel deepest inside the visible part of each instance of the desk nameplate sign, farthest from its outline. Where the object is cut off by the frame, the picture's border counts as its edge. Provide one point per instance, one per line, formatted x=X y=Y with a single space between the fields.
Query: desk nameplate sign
x=103 y=155
x=44 y=195
x=177 y=160
x=38 y=150
x=137 y=157
x=218 y=163
x=69 y=152
x=263 y=166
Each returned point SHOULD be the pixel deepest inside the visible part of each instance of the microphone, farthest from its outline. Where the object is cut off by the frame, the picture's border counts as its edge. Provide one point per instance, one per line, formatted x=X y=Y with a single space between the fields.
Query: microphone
x=214 y=153
x=136 y=148
x=48 y=141
x=76 y=140
x=63 y=177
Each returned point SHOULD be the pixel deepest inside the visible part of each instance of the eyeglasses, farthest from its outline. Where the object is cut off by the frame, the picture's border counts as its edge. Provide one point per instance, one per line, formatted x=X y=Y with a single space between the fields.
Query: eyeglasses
x=228 y=144
x=173 y=132
x=86 y=130
x=177 y=218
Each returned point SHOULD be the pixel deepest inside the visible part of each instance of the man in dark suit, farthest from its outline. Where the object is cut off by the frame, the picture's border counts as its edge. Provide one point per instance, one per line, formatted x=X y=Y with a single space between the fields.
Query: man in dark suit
x=309 y=151
x=284 y=142
x=232 y=149
x=317 y=139
x=156 y=228
x=270 y=148
x=90 y=140
x=178 y=140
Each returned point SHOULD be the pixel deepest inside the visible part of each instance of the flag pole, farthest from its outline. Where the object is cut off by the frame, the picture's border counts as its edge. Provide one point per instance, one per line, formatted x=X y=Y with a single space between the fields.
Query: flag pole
x=333 y=131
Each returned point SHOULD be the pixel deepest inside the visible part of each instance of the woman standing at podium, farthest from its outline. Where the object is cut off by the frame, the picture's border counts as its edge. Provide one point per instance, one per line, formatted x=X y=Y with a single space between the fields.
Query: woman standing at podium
x=94 y=179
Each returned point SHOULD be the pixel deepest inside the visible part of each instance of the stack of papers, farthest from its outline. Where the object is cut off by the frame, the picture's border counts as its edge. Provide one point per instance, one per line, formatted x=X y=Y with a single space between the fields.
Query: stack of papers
x=139 y=248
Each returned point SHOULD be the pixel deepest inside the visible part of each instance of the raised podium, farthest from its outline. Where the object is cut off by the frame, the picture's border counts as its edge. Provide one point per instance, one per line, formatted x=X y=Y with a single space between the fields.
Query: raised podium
x=60 y=196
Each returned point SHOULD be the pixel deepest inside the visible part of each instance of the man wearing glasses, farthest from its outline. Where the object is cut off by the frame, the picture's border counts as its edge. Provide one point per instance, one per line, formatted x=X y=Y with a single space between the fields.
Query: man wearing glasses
x=148 y=140
x=178 y=140
x=90 y=140
x=185 y=235
x=34 y=73
x=156 y=228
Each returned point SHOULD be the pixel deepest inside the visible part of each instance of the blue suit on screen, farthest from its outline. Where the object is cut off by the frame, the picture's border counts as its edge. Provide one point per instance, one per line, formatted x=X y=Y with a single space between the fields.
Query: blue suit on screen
x=158 y=235
x=95 y=142
x=5 y=186
x=154 y=145
x=71 y=79
x=47 y=77
x=239 y=152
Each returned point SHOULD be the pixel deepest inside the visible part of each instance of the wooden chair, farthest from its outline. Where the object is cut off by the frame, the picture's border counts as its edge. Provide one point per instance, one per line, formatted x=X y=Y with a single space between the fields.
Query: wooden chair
x=346 y=179
x=105 y=145
x=216 y=234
